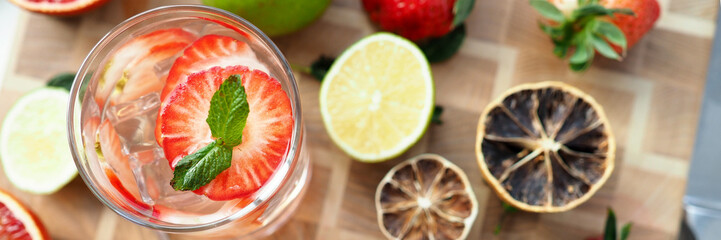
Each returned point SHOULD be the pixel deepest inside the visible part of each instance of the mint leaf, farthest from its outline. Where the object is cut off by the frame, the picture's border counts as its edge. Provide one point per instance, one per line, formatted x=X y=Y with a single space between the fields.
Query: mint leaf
x=319 y=68
x=461 y=11
x=228 y=112
x=626 y=230
x=444 y=47
x=436 y=117
x=548 y=10
x=198 y=169
x=227 y=117
x=507 y=210
x=63 y=80
x=610 y=232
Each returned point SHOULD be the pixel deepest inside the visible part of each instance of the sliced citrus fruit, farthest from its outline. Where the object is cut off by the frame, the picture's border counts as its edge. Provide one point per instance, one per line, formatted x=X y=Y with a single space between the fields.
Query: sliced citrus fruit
x=425 y=197
x=17 y=222
x=377 y=98
x=34 y=142
x=59 y=8
x=545 y=147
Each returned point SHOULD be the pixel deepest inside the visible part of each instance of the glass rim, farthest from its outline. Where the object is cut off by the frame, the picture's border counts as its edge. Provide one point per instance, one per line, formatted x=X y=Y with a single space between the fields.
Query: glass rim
x=271 y=186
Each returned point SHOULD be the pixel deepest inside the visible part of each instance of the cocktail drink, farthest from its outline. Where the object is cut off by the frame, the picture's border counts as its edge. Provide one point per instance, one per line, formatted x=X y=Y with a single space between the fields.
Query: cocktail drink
x=186 y=119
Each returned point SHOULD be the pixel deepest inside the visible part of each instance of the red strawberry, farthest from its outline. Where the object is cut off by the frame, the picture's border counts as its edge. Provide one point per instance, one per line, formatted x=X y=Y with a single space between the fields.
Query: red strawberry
x=209 y=51
x=412 y=19
x=266 y=136
x=111 y=151
x=580 y=29
x=118 y=185
x=130 y=73
x=647 y=12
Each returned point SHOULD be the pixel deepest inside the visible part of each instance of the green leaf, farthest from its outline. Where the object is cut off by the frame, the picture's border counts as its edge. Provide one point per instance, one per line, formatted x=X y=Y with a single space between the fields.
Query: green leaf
x=626 y=230
x=610 y=230
x=602 y=47
x=548 y=10
x=497 y=229
x=591 y=10
x=229 y=111
x=444 y=47
x=583 y=52
x=461 y=10
x=198 y=169
x=560 y=51
x=507 y=208
x=580 y=67
x=63 y=80
x=612 y=33
x=594 y=10
x=554 y=32
x=319 y=68
x=436 y=117
x=623 y=11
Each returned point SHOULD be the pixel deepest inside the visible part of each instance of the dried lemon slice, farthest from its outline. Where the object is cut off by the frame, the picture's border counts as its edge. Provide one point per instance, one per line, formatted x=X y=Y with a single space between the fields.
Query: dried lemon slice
x=545 y=147
x=425 y=197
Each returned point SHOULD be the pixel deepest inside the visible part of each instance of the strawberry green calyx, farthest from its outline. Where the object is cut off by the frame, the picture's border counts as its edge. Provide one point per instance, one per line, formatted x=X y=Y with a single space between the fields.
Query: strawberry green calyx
x=582 y=32
x=228 y=113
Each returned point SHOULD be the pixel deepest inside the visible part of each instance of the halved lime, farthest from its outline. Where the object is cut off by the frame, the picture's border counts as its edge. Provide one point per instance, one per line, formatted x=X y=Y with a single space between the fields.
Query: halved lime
x=377 y=98
x=34 y=142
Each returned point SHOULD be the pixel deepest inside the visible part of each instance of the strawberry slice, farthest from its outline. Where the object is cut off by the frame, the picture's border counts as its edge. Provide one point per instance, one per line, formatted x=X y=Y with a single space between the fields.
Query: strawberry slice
x=266 y=136
x=131 y=71
x=210 y=51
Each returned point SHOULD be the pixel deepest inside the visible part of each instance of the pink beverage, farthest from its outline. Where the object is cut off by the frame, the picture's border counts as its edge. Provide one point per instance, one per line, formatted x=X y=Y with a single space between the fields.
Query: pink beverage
x=139 y=107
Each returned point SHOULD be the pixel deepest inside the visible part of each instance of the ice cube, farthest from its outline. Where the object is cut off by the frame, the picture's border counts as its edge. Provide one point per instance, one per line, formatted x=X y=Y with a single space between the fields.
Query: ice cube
x=134 y=122
x=153 y=174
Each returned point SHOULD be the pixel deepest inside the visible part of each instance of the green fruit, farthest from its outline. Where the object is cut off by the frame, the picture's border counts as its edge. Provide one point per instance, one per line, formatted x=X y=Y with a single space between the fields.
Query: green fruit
x=34 y=142
x=274 y=17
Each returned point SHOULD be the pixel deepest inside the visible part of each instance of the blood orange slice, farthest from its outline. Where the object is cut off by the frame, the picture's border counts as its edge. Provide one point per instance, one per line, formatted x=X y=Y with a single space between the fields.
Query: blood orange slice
x=59 y=7
x=17 y=222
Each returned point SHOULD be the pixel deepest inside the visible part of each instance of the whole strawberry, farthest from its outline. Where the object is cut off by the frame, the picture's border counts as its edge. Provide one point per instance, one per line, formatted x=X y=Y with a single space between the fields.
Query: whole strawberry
x=582 y=28
x=413 y=19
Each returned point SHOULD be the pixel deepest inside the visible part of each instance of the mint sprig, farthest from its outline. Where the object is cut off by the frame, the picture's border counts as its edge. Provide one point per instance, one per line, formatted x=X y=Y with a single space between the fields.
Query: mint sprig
x=610 y=232
x=201 y=167
x=583 y=32
x=228 y=111
x=227 y=116
x=63 y=80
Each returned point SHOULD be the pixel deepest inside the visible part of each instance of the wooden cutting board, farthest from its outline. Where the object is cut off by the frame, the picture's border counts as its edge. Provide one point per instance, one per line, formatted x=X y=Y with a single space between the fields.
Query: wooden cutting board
x=652 y=100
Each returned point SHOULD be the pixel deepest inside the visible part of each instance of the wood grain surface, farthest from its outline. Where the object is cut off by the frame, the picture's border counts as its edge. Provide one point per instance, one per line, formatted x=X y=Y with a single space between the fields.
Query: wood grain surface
x=652 y=100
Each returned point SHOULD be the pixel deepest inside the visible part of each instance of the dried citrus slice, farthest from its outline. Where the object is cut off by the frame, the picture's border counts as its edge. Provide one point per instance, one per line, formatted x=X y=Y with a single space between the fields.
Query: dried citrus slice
x=425 y=197
x=545 y=147
x=17 y=222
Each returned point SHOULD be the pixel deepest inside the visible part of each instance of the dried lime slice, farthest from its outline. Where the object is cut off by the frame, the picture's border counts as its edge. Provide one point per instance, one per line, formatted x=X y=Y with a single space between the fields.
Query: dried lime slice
x=425 y=197
x=545 y=147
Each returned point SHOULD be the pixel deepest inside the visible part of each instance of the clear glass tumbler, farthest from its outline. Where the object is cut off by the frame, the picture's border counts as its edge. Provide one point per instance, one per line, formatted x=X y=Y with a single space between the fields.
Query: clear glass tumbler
x=114 y=147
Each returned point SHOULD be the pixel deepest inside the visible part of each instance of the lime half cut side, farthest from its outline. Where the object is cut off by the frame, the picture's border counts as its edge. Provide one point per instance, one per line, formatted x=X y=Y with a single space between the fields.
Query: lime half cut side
x=34 y=142
x=377 y=98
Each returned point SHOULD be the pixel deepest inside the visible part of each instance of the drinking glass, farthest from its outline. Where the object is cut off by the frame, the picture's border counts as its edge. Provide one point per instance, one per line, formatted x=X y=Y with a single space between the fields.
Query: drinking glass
x=132 y=178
